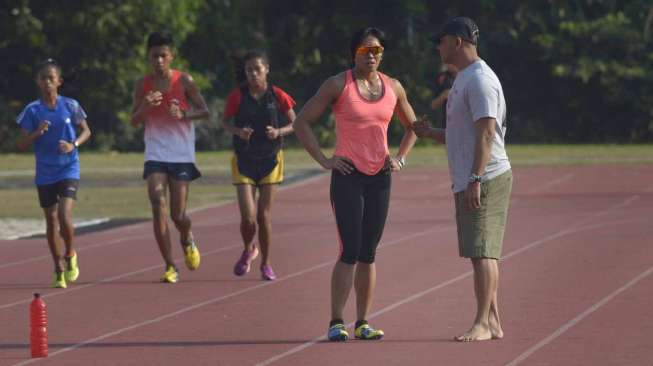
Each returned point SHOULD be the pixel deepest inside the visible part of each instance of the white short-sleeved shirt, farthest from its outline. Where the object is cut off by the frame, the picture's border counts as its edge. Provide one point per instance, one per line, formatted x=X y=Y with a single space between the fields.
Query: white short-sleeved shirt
x=476 y=94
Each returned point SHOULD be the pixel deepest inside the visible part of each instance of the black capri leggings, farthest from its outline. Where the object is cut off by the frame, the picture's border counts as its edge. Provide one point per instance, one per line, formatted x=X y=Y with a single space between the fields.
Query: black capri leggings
x=360 y=203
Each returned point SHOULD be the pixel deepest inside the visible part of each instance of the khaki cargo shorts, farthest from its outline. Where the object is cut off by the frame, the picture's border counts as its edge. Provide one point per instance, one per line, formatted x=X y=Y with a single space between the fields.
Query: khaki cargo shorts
x=480 y=232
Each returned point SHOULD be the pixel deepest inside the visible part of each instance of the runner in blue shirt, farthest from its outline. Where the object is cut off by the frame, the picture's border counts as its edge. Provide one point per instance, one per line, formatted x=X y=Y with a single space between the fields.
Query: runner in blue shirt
x=50 y=123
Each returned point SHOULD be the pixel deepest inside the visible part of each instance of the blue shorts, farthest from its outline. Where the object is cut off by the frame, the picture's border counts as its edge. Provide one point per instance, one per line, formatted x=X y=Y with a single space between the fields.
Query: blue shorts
x=176 y=171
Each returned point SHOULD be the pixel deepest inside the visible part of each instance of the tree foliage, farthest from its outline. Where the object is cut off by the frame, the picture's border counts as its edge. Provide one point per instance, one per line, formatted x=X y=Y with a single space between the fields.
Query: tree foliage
x=573 y=71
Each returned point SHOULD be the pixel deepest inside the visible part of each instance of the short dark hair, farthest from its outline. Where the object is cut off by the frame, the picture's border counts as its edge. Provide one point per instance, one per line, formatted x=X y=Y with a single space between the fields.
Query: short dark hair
x=358 y=37
x=48 y=62
x=254 y=54
x=159 y=38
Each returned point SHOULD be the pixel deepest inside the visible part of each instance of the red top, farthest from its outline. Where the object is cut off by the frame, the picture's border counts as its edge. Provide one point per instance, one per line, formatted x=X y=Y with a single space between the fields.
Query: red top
x=167 y=138
x=362 y=125
x=175 y=93
x=286 y=102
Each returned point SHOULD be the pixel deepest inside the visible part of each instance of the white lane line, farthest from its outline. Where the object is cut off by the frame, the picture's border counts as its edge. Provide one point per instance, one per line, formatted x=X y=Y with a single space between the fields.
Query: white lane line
x=79 y=249
x=135 y=171
x=391 y=307
x=552 y=183
x=221 y=298
x=297 y=184
x=203 y=223
x=571 y=230
x=579 y=318
x=308 y=344
x=609 y=210
x=110 y=279
x=573 y=227
x=138 y=271
x=149 y=223
x=78 y=224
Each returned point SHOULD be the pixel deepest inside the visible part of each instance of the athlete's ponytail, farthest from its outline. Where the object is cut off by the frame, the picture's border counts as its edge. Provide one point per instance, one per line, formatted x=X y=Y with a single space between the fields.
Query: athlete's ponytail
x=238 y=61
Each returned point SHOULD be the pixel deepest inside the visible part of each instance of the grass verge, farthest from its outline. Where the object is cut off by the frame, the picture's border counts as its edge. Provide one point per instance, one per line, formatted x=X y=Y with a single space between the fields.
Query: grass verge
x=117 y=190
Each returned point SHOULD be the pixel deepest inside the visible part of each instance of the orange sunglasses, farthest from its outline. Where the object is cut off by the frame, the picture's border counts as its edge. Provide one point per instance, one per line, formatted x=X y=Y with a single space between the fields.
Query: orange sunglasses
x=364 y=50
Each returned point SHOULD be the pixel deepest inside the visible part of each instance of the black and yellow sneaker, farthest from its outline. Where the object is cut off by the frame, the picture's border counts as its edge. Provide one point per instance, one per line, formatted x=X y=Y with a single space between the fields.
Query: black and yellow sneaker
x=337 y=333
x=72 y=268
x=365 y=332
x=59 y=280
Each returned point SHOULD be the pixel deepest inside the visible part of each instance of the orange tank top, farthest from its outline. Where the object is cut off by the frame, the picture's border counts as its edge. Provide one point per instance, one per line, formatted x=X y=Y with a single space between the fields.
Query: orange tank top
x=362 y=125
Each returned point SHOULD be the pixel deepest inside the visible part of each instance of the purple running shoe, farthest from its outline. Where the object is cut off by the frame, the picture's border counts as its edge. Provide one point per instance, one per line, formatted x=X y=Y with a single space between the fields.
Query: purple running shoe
x=268 y=273
x=245 y=261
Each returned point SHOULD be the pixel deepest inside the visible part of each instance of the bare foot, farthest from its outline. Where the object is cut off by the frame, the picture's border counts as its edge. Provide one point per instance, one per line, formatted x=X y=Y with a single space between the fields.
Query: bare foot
x=496 y=331
x=476 y=333
x=495 y=326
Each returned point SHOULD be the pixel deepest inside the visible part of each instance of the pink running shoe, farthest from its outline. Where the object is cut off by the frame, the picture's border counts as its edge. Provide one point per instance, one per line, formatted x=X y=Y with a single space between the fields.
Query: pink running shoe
x=268 y=273
x=245 y=262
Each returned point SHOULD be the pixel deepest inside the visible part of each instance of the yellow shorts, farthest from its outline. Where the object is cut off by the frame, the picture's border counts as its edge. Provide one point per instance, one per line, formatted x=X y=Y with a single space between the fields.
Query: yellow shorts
x=257 y=172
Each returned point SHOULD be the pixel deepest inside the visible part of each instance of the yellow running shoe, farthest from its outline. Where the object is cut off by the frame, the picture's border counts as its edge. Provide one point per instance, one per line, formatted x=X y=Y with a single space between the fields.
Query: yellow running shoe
x=192 y=255
x=59 y=280
x=171 y=275
x=72 y=269
x=365 y=332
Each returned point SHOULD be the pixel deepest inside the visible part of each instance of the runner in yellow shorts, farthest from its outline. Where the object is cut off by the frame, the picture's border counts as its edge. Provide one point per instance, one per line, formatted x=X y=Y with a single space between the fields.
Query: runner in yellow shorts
x=257 y=172
x=262 y=114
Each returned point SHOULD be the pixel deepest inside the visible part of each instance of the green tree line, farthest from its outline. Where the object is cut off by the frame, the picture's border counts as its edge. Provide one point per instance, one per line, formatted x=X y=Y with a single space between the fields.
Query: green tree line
x=572 y=71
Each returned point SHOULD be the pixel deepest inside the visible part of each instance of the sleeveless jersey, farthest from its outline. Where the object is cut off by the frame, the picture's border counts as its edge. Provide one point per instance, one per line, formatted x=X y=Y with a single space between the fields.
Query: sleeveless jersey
x=362 y=125
x=168 y=139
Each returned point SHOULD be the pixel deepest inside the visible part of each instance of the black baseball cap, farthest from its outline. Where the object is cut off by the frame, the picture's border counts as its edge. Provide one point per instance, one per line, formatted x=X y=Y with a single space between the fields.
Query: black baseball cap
x=462 y=27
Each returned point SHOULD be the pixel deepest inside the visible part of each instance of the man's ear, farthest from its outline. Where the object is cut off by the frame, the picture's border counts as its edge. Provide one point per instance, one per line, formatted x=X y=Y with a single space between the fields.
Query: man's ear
x=459 y=42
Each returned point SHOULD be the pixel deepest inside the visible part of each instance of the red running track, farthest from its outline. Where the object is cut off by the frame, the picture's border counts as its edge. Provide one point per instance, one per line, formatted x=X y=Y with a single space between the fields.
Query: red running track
x=576 y=283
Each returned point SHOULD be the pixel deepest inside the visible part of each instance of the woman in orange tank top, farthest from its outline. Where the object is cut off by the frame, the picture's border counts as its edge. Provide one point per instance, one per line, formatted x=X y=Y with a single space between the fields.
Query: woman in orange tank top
x=363 y=101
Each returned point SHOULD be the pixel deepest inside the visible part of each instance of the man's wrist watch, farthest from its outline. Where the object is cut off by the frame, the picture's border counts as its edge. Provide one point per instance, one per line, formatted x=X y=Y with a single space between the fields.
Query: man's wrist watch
x=401 y=161
x=75 y=143
x=473 y=178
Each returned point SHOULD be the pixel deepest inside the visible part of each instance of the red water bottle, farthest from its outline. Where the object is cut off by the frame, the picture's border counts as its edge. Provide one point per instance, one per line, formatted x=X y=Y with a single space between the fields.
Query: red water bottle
x=38 y=327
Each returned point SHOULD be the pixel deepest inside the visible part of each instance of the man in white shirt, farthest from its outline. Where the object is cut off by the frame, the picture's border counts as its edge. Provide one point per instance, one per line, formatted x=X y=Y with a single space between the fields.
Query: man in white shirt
x=478 y=165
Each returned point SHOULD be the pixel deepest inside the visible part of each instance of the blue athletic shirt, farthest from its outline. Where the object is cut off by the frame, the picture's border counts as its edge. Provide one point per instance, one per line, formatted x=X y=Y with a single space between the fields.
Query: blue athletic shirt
x=51 y=165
